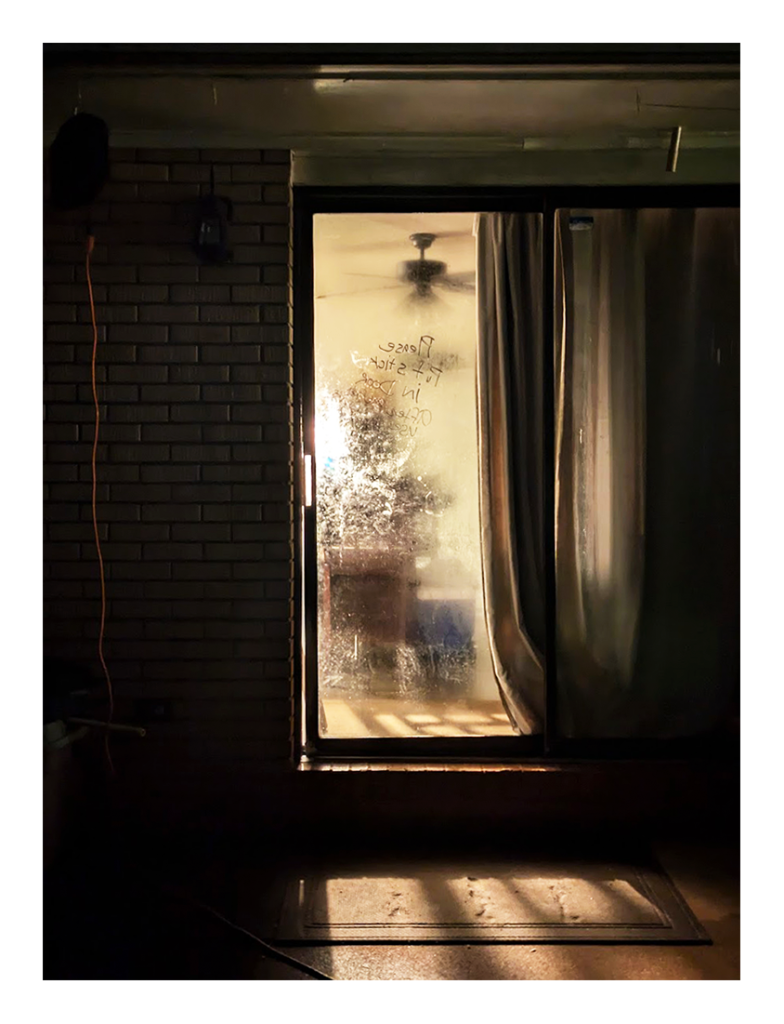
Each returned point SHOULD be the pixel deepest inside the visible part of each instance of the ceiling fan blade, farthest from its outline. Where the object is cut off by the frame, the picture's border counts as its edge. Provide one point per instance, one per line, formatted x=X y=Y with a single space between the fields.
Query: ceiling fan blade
x=363 y=291
x=381 y=277
x=467 y=276
x=450 y=285
x=404 y=244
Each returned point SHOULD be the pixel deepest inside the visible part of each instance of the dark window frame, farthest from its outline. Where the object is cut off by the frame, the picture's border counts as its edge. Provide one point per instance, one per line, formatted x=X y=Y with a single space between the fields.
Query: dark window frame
x=548 y=746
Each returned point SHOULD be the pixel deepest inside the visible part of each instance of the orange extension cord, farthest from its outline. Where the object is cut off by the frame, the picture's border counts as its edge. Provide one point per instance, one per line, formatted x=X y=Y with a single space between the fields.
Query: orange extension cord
x=90 y=246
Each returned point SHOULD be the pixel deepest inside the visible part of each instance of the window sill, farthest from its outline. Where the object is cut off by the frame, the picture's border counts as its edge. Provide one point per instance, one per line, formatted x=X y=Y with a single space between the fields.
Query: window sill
x=349 y=765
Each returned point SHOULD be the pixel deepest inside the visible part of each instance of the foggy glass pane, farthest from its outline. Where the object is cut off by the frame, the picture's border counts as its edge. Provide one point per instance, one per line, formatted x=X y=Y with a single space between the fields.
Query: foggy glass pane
x=402 y=647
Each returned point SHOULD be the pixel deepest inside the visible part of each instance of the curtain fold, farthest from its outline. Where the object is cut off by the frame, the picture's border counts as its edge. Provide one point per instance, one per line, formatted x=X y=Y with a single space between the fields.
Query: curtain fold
x=688 y=660
x=646 y=469
x=646 y=524
x=600 y=461
x=509 y=383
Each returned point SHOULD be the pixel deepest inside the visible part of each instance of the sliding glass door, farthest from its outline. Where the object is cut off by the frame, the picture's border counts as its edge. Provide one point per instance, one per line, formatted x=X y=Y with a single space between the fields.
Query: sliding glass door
x=402 y=643
x=521 y=512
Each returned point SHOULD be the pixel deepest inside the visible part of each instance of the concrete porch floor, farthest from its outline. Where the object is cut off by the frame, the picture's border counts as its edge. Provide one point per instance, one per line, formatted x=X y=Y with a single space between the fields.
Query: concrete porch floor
x=111 y=921
x=705 y=876
x=363 y=716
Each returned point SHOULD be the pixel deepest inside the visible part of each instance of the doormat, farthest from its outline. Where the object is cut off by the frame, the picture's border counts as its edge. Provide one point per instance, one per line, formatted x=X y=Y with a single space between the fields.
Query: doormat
x=546 y=902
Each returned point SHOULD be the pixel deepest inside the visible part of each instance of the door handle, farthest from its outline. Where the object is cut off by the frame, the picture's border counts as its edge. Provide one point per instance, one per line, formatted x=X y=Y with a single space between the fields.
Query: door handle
x=308 y=480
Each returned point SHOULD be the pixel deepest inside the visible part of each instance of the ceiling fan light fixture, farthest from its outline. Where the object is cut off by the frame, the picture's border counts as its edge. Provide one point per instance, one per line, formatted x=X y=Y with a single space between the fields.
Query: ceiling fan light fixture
x=420 y=271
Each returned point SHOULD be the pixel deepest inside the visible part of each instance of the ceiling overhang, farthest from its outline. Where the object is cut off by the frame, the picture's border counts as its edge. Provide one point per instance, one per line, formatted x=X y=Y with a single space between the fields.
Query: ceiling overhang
x=497 y=55
x=409 y=98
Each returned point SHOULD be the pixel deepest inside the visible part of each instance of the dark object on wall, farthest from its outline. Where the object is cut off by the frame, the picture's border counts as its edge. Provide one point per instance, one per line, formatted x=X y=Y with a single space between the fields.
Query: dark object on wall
x=68 y=688
x=214 y=214
x=79 y=161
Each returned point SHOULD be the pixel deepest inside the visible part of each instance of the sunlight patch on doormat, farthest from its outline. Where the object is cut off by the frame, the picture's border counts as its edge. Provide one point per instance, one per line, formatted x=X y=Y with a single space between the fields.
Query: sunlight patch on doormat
x=529 y=903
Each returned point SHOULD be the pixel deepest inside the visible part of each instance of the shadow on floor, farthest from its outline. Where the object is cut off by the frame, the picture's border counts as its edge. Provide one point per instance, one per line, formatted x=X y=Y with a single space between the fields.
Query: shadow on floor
x=112 y=912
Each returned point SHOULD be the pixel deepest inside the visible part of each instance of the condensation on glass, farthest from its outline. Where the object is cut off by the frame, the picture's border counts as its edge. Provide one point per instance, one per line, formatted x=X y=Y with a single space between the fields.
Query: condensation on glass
x=402 y=645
